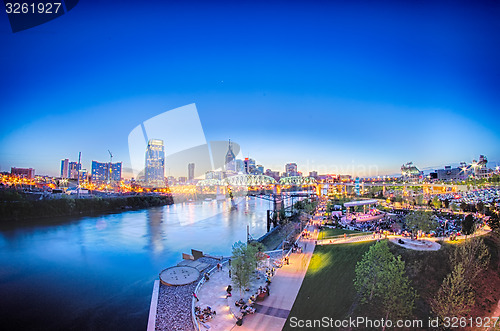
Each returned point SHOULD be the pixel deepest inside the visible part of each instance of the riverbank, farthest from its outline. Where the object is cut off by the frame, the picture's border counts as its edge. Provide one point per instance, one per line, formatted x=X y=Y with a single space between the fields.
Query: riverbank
x=25 y=209
x=289 y=231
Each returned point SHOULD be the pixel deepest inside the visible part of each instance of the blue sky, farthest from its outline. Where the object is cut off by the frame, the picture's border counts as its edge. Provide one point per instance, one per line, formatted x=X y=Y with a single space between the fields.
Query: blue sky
x=342 y=87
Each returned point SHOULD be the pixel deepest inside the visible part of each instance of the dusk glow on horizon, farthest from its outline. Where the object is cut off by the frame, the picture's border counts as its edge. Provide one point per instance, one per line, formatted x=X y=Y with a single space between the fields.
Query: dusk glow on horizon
x=354 y=88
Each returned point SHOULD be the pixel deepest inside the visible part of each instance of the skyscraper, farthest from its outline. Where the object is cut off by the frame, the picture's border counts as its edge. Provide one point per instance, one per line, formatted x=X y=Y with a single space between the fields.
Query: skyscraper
x=155 y=163
x=104 y=172
x=98 y=174
x=190 y=171
x=291 y=169
x=230 y=159
x=73 y=169
x=64 y=168
x=249 y=166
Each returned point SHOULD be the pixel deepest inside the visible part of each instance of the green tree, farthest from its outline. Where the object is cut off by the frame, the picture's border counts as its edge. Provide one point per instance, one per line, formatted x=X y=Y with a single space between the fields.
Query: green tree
x=243 y=263
x=381 y=282
x=456 y=296
x=468 y=225
x=455 y=207
x=436 y=202
x=480 y=206
x=421 y=220
x=493 y=221
x=463 y=206
x=446 y=203
x=473 y=255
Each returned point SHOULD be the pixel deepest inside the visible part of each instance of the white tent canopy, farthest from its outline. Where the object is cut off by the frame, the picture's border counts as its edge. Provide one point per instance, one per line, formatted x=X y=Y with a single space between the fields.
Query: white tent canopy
x=360 y=203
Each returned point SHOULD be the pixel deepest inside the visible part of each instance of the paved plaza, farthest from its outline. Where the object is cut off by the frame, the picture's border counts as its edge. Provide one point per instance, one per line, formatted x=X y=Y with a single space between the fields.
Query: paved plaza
x=272 y=312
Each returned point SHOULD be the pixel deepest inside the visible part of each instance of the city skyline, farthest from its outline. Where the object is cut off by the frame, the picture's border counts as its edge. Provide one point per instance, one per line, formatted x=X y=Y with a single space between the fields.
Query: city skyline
x=351 y=87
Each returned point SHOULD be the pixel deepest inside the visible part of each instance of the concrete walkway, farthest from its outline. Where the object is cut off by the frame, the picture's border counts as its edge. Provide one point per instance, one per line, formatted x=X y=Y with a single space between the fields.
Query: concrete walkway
x=271 y=314
x=273 y=311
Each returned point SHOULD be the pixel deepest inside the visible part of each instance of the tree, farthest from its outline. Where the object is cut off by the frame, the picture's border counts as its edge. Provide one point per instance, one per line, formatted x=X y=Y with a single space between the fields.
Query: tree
x=463 y=206
x=381 y=282
x=468 y=225
x=455 y=207
x=421 y=220
x=243 y=263
x=493 y=221
x=455 y=297
x=446 y=203
x=473 y=255
x=480 y=206
x=436 y=202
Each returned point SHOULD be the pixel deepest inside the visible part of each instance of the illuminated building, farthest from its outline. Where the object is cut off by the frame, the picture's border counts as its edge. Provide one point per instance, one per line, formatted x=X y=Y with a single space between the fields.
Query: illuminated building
x=73 y=169
x=249 y=165
x=105 y=172
x=64 y=168
x=155 y=164
x=410 y=172
x=230 y=159
x=291 y=170
x=23 y=172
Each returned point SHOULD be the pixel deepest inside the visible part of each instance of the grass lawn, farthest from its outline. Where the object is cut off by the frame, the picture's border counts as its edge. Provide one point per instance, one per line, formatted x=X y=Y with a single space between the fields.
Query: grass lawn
x=328 y=232
x=328 y=288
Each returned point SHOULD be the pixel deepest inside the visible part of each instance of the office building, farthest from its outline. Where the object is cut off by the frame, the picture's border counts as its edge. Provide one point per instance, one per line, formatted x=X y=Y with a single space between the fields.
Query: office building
x=249 y=166
x=104 y=172
x=64 y=168
x=155 y=164
x=23 y=172
x=190 y=172
x=73 y=169
x=230 y=164
x=240 y=166
x=291 y=169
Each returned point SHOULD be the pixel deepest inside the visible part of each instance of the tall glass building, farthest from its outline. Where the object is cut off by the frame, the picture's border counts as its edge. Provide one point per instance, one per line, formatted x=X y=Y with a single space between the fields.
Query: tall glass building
x=155 y=163
x=230 y=159
x=105 y=172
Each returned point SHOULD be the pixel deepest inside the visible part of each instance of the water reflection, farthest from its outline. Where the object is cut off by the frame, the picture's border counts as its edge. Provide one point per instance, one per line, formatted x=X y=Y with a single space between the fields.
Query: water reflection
x=97 y=272
x=154 y=220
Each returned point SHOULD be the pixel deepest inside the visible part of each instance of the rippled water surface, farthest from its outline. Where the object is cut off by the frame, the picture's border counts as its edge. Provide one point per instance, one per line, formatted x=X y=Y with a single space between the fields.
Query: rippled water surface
x=98 y=272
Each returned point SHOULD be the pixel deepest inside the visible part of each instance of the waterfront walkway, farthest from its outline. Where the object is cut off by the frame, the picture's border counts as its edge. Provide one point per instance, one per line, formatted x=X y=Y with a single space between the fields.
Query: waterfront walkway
x=272 y=312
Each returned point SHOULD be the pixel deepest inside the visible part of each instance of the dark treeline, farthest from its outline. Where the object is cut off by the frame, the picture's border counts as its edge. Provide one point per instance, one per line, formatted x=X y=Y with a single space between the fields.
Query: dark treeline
x=14 y=206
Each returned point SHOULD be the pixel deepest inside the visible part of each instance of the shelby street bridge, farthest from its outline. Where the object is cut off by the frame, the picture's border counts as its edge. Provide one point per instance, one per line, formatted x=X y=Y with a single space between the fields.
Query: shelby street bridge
x=309 y=185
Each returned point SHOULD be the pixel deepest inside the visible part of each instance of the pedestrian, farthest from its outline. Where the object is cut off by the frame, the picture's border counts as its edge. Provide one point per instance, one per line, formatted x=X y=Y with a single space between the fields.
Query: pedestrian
x=218 y=266
x=196 y=297
x=229 y=273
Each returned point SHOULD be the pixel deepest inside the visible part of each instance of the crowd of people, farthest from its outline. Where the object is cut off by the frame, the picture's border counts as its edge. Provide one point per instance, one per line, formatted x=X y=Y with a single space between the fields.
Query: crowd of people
x=205 y=314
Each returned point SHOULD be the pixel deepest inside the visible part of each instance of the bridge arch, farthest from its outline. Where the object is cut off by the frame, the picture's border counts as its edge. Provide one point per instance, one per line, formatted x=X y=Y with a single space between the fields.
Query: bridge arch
x=298 y=180
x=248 y=180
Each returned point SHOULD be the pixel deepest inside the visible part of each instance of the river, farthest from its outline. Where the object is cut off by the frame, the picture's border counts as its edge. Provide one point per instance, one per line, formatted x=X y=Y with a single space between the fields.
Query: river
x=93 y=273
